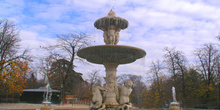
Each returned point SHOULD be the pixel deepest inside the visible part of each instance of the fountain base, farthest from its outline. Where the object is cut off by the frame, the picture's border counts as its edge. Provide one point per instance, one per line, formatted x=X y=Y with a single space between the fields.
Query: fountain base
x=174 y=106
x=46 y=106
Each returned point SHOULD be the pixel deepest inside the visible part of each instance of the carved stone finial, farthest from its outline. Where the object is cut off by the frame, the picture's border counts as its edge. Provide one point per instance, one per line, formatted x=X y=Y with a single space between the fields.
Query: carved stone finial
x=111 y=13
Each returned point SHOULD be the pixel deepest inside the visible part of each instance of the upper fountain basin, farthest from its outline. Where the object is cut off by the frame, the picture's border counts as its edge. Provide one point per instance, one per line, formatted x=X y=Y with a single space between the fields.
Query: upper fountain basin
x=105 y=22
x=111 y=54
x=111 y=19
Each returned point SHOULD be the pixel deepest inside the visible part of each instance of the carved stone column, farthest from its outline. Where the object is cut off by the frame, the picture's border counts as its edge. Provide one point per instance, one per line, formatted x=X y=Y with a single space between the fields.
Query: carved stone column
x=111 y=85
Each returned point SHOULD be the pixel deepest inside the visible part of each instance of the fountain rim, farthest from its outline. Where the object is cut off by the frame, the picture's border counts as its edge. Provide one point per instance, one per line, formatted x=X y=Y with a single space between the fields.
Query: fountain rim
x=98 y=25
x=125 y=46
x=46 y=102
x=140 y=53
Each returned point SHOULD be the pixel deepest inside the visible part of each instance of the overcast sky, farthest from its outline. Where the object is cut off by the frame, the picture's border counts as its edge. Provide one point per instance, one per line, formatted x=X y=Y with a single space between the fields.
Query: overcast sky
x=153 y=25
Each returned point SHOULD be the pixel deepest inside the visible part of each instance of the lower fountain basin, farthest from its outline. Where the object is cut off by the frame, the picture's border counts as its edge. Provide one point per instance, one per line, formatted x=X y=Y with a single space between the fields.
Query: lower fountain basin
x=111 y=54
x=46 y=102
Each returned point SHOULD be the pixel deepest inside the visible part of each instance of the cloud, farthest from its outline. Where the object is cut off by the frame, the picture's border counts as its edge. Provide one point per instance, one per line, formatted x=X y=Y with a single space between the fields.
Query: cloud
x=28 y=38
x=187 y=8
x=33 y=41
x=153 y=24
x=11 y=7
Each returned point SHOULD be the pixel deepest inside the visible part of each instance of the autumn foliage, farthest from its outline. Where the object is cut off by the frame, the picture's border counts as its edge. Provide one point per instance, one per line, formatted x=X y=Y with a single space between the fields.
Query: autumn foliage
x=12 y=77
x=13 y=66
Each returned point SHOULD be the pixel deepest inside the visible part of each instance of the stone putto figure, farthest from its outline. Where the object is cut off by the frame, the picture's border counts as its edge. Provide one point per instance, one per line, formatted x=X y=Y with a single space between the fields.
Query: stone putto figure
x=105 y=35
x=97 y=96
x=125 y=92
x=111 y=34
x=111 y=26
x=117 y=36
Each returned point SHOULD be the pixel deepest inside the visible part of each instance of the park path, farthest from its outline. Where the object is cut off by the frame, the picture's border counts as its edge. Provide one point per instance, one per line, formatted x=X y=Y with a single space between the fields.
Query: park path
x=11 y=106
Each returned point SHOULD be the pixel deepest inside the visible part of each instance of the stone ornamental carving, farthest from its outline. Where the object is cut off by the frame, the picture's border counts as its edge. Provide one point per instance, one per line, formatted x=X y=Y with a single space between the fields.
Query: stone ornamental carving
x=97 y=96
x=125 y=92
x=111 y=93
x=111 y=26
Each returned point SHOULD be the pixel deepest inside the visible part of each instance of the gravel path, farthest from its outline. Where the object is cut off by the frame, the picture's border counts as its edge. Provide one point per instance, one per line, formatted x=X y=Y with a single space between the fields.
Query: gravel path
x=26 y=106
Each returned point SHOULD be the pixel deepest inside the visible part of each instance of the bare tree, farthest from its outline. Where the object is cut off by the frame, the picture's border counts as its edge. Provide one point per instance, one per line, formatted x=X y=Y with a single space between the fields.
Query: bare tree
x=139 y=88
x=122 y=79
x=32 y=81
x=9 y=44
x=13 y=66
x=62 y=55
x=182 y=69
x=157 y=69
x=71 y=43
x=177 y=65
x=170 y=61
x=208 y=65
x=208 y=57
x=176 y=62
x=94 y=77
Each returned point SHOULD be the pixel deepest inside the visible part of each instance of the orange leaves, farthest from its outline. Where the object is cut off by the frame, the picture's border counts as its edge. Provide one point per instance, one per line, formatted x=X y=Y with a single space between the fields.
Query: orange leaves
x=12 y=77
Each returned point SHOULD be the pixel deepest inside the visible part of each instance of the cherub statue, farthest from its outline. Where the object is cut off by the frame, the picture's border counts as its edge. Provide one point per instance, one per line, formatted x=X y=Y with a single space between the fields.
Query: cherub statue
x=105 y=35
x=97 y=97
x=117 y=36
x=111 y=34
x=125 y=92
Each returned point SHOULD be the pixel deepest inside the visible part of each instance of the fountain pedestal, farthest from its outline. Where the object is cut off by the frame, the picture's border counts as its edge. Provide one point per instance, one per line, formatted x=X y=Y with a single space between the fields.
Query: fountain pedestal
x=174 y=103
x=174 y=106
x=46 y=106
x=111 y=85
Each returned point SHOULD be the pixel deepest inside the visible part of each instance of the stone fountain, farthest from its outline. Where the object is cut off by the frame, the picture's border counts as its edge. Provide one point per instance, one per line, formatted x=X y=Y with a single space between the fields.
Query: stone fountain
x=47 y=95
x=174 y=103
x=111 y=55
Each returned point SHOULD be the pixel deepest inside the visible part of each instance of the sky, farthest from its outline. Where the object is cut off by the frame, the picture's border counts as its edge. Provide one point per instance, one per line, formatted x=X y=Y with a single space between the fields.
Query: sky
x=153 y=25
